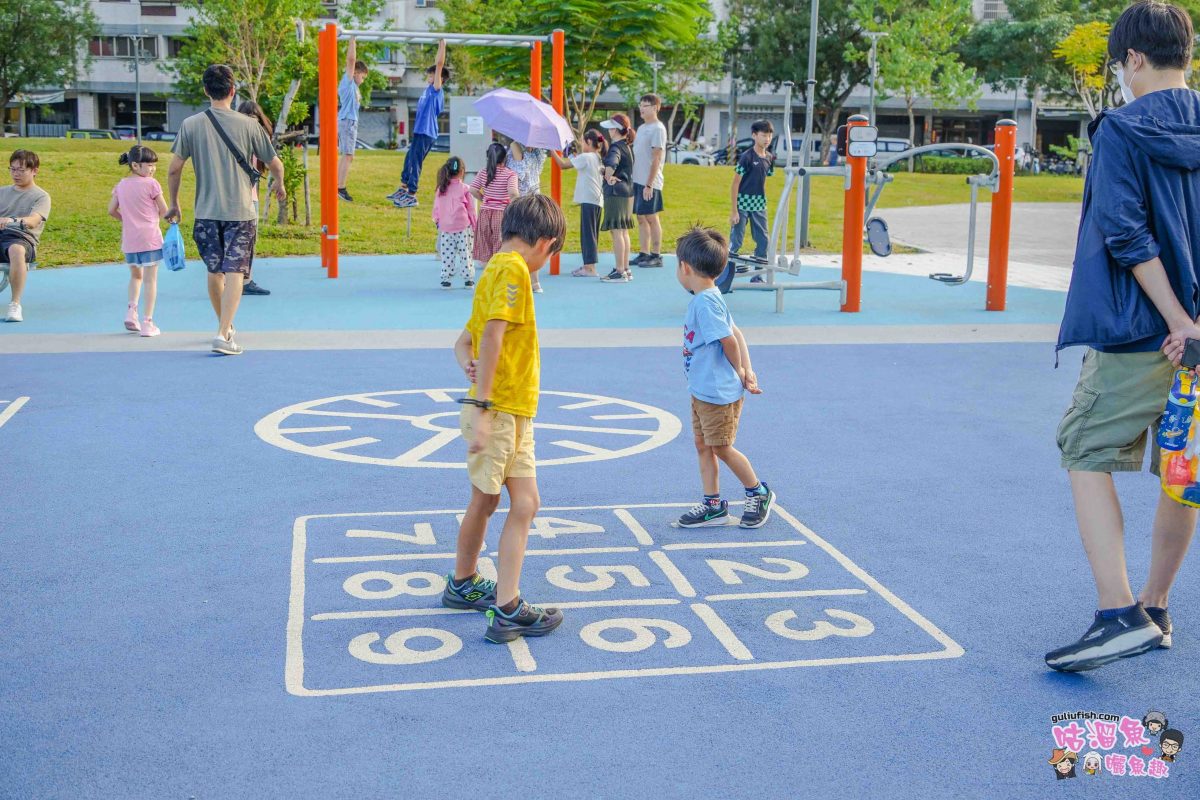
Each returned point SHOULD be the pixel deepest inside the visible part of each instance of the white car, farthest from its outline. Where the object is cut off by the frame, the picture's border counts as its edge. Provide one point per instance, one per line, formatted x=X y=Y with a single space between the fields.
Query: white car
x=679 y=155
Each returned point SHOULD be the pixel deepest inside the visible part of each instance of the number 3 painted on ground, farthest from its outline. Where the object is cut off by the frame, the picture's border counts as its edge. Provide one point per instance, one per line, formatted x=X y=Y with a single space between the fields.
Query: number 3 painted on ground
x=728 y=570
x=398 y=651
x=603 y=578
x=859 y=626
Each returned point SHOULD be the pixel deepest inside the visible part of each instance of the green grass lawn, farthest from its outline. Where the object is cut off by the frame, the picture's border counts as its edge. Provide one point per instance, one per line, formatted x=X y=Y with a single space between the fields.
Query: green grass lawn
x=80 y=174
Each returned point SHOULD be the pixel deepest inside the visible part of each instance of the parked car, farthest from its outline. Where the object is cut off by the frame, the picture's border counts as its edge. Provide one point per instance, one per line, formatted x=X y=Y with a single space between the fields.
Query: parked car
x=90 y=133
x=680 y=155
x=129 y=132
x=441 y=144
x=159 y=136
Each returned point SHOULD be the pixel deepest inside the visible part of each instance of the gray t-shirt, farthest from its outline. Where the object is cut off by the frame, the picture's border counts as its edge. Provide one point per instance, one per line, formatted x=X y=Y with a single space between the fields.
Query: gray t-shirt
x=650 y=136
x=223 y=190
x=17 y=203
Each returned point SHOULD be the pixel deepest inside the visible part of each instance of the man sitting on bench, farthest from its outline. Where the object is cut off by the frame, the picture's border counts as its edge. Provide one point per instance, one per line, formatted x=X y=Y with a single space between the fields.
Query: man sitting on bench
x=24 y=209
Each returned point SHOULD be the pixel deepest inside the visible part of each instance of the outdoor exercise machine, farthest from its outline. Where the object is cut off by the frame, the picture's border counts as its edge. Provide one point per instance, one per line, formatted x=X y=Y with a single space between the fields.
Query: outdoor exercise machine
x=327 y=81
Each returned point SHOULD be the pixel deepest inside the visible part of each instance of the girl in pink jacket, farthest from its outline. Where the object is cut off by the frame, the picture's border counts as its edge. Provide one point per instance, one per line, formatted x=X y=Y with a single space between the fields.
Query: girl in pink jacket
x=454 y=215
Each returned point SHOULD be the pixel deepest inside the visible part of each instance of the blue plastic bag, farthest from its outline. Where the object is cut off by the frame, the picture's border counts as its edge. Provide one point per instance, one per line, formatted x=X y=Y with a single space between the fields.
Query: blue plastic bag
x=173 y=248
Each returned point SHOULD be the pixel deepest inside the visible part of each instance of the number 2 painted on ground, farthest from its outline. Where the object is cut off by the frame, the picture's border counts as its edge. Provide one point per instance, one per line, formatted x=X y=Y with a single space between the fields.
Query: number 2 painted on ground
x=728 y=570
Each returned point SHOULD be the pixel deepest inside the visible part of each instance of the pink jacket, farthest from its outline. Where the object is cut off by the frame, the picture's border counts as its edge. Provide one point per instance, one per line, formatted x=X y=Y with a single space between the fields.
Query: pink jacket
x=454 y=211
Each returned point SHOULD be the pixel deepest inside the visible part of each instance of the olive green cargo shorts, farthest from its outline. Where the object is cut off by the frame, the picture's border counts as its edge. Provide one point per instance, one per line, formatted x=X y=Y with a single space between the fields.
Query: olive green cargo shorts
x=1118 y=398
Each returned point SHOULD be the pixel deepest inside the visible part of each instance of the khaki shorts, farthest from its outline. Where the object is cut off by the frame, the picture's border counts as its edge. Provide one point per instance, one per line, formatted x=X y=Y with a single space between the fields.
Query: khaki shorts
x=716 y=425
x=1118 y=398
x=508 y=454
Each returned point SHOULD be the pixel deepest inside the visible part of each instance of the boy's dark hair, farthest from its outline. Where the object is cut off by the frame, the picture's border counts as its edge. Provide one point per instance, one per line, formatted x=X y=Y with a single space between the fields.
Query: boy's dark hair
x=1163 y=32
x=218 y=81
x=532 y=218
x=704 y=250
x=432 y=68
x=762 y=126
x=1171 y=735
x=652 y=99
x=360 y=66
x=26 y=158
x=138 y=154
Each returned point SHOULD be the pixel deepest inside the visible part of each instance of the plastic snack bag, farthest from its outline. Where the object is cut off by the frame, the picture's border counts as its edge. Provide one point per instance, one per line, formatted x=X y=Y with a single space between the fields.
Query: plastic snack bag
x=173 y=255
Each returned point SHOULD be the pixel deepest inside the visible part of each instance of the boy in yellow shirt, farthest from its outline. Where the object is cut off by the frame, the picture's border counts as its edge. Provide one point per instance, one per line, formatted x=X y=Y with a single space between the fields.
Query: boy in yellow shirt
x=498 y=351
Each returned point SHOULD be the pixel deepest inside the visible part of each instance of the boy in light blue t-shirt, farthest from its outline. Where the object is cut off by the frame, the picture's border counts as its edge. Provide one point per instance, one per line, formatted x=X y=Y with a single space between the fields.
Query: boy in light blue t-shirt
x=717 y=363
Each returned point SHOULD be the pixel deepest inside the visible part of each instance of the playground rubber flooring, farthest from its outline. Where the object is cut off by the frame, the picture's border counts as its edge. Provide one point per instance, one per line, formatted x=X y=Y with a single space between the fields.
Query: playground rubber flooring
x=221 y=575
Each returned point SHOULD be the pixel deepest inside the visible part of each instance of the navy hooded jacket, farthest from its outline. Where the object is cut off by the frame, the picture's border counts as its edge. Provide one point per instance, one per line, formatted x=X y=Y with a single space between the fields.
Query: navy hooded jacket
x=1141 y=200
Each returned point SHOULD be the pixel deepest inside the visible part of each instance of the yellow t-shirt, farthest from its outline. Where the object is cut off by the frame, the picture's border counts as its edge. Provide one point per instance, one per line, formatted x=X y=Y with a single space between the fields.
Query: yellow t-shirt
x=505 y=292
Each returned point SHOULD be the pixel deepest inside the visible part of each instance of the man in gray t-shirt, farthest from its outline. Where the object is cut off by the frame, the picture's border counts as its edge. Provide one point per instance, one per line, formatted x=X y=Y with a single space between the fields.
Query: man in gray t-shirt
x=226 y=225
x=24 y=209
x=649 y=150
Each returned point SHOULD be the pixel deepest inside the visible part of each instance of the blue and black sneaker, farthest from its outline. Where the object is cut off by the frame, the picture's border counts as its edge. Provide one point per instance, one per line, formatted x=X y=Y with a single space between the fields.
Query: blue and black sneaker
x=704 y=514
x=476 y=593
x=1163 y=620
x=526 y=620
x=757 y=509
x=1130 y=633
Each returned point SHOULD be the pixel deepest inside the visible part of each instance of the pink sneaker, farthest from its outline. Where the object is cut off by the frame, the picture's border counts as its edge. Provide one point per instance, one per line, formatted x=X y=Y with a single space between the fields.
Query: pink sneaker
x=131 y=323
x=149 y=328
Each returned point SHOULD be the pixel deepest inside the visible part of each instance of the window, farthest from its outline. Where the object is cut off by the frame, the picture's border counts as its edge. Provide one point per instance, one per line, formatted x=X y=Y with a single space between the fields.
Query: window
x=122 y=47
x=426 y=3
x=994 y=9
x=175 y=45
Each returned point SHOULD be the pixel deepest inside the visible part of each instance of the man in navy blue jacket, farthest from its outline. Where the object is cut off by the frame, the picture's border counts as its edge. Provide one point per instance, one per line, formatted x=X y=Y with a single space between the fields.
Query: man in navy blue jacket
x=1133 y=302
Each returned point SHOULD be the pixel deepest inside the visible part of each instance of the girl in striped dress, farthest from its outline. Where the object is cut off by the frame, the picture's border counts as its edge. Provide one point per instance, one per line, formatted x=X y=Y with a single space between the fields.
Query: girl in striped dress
x=495 y=188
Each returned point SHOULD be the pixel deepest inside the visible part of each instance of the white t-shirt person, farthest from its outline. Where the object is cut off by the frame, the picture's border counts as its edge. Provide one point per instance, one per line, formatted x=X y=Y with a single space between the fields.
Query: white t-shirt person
x=587 y=182
x=651 y=136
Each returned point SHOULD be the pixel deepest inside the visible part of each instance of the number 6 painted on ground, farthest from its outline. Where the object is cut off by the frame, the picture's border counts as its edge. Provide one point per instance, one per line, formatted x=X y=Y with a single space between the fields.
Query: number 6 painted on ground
x=643 y=634
x=604 y=577
x=859 y=626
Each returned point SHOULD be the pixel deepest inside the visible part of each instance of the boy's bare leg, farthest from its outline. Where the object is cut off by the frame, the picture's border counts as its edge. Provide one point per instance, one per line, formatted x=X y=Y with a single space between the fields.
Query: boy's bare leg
x=216 y=285
x=472 y=531
x=524 y=501
x=654 y=228
x=231 y=296
x=710 y=471
x=344 y=163
x=16 y=271
x=738 y=463
x=1174 y=525
x=643 y=233
x=1102 y=529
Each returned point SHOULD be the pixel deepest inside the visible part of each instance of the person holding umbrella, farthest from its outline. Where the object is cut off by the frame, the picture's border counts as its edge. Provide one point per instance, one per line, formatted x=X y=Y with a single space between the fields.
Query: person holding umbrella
x=527 y=163
x=618 y=193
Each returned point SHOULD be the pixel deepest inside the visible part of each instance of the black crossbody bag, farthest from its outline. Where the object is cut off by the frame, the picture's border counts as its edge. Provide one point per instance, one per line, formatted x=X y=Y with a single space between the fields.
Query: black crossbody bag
x=254 y=175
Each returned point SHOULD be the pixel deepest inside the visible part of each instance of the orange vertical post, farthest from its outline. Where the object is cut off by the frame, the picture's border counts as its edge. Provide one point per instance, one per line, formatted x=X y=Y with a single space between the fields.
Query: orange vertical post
x=535 y=70
x=997 y=282
x=327 y=69
x=854 y=209
x=557 y=99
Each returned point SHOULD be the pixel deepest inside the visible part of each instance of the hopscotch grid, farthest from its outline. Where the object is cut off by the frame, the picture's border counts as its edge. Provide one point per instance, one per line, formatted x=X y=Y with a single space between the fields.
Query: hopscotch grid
x=294 y=660
x=437 y=612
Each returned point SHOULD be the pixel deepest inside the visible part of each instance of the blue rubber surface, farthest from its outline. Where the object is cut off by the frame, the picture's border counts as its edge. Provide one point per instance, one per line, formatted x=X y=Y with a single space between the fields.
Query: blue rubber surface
x=402 y=292
x=150 y=536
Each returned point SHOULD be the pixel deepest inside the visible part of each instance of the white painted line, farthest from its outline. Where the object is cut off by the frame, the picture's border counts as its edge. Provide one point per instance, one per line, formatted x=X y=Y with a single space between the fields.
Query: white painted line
x=726 y=545
x=518 y=648
x=347 y=444
x=673 y=574
x=388 y=557
x=461 y=511
x=487 y=569
x=583 y=404
x=641 y=534
x=12 y=409
x=353 y=414
x=428 y=447
x=557 y=426
x=723 y=632
x=782 y=595
x=372 y=401
x=591 y=450
x=320 y=429
x=622 y=416
x=439 y=396
x=653 y=601
x=575 y=551
x=437 y=612
x=953 y=648
x=293 y=664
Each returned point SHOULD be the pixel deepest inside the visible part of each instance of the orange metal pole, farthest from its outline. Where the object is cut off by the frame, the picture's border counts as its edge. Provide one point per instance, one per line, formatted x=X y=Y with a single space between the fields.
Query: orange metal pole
x=997 y=285
x=854 y=210
x=535 y=70
x=321 y=92
x=327 y=100
x=557 y=99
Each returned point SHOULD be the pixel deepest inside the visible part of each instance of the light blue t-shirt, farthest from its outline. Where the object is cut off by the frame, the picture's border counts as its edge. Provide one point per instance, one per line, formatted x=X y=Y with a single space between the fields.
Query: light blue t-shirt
x=349 y=98
x=710 y=375
x=429 y=108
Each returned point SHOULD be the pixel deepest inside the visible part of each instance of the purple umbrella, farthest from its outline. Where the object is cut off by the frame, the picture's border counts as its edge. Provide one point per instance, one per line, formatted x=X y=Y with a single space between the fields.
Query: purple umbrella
x=525 y=119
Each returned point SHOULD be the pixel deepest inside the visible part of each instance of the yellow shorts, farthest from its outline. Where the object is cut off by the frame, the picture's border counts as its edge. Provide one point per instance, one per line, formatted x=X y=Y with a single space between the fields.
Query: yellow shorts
x=508 y=454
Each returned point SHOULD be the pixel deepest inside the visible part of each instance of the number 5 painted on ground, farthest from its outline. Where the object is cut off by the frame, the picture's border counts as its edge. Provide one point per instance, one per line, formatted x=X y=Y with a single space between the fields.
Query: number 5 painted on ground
x=728 y=570
x=859 y=626
x=603 y=577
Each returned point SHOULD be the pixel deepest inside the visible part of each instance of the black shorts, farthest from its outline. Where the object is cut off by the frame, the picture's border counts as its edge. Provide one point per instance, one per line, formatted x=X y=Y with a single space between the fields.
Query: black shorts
x=642 y=206
x=224 y=245
x=8 y=239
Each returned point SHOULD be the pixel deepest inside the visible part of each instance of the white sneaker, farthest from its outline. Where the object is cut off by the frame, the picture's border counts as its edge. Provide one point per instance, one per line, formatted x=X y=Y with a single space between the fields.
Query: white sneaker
x=14 y=313
x=226 y=347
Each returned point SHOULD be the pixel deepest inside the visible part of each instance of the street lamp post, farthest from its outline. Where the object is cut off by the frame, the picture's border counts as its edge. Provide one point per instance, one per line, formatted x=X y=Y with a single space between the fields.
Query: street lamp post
x=874 y=36
x=135 y=43
x=656 y=65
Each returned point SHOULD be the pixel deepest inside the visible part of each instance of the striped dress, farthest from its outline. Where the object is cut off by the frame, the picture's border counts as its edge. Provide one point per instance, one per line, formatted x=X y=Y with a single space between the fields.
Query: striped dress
x=491 y=214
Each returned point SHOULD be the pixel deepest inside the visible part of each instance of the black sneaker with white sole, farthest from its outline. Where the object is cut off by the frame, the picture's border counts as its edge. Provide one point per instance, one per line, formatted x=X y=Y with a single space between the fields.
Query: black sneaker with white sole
x=527 y=620
x=1163 y=620
x=651 y=262
x=1125 y=635
x=757 y=509
x=703 y=515
x=345 y=195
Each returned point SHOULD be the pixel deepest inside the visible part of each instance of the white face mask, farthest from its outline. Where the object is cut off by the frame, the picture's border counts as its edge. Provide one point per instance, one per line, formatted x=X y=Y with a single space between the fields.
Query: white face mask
x=1126 y=90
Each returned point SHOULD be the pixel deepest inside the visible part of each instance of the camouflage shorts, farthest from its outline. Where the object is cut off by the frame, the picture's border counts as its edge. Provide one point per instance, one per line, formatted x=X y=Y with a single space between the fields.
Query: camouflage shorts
x=226 y=246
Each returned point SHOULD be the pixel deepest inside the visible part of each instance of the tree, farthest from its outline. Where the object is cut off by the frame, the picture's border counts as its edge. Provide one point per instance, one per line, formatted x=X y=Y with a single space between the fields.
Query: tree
x=1085 y=50
x=468 y=71
x=606 y=41
x=699 y=60
x=43 y=44
x=917 y=58
x=772 y=42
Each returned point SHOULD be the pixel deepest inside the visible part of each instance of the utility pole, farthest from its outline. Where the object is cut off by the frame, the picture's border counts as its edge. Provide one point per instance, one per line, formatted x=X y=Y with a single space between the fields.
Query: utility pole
x=810 y=90
x=874 y=36
x=656 y=65
x=135 y=44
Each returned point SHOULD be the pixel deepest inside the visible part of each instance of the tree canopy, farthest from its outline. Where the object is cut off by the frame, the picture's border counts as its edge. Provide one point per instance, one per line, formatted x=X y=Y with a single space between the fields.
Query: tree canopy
x=43 y=44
